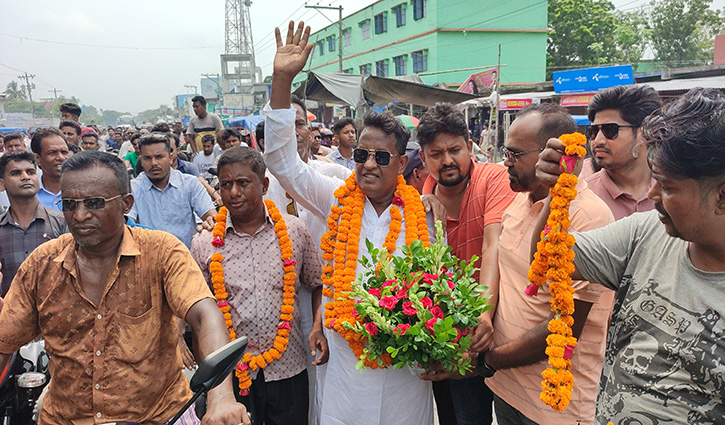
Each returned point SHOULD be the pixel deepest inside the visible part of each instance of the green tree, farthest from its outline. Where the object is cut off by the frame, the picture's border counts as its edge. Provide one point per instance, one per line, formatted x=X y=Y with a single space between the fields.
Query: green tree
x=581 y=32
x=14 y=91
x=682 y=31
x=631 y=36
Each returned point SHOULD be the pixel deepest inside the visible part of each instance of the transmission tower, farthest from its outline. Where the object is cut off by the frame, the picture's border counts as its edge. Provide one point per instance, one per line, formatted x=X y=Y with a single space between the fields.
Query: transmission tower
x=238 y=28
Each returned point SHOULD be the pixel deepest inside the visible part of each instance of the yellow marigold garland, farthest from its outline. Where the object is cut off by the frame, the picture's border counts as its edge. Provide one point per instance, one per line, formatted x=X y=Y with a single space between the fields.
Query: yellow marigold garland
x=340 y=252
x=288 y=294
x=553 y=263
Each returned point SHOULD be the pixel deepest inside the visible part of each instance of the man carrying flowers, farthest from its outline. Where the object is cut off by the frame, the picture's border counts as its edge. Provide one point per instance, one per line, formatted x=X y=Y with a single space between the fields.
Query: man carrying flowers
x=256 y=259
x=374 y=204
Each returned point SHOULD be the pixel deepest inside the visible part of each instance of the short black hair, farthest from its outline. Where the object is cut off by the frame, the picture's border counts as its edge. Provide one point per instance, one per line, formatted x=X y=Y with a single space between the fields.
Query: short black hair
x=225 y=134
x=686 y=138
x=12 y=136
x=442 y=118
x=388 y=124
x=71 y=108
x=42 y=133
x=556 y=121
x=70 y=123
x=89 y=159
x=135 y=136
x=634 y=103
x=342 y=123
x=154 y=138
x=90 y=134
x=259 y=131
x=208 y=138
x=297 y=101
x=15 y=157
x=161 y=127
x=243 y=155
x=177 y=139
x=198 y=98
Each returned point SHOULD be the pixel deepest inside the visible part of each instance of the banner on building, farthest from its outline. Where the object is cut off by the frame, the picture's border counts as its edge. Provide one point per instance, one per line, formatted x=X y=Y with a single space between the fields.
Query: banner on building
x=210 y=88
x=513 y=104
x=478 y=81
x=576 y=99
x=592 y=79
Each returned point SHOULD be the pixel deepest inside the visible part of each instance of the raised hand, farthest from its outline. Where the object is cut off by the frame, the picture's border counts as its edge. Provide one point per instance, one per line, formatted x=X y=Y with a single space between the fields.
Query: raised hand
x=292 y=55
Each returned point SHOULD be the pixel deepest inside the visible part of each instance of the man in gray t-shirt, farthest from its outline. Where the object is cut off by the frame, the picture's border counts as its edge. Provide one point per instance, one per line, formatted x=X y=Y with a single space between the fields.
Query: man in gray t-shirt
x=202 y=123
x=665 y=358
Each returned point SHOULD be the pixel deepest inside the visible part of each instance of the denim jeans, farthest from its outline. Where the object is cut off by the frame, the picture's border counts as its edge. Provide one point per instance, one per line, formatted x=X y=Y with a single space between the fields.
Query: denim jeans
x=508 y=415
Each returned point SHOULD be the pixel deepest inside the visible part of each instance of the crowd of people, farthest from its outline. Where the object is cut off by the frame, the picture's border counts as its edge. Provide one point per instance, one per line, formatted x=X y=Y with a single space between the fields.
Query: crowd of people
x=114 y=242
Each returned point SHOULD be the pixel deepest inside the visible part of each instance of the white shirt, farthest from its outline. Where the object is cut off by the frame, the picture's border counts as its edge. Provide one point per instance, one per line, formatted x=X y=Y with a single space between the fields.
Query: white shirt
x=346 y=396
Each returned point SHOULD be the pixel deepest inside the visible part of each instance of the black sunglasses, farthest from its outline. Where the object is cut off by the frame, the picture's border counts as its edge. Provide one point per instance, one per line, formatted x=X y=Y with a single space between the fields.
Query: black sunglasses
x=361 y=155
x=610 y=130
x=91 y=204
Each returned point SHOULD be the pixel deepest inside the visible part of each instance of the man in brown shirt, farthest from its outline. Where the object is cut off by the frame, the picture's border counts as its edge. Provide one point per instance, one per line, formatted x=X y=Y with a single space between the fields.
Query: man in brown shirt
x=105 y=298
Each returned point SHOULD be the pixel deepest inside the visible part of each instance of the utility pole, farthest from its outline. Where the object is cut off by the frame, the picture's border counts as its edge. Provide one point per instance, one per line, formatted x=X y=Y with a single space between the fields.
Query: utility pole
x=497 y=97
x=55 y=93
x=29 y=88
x=339 y=29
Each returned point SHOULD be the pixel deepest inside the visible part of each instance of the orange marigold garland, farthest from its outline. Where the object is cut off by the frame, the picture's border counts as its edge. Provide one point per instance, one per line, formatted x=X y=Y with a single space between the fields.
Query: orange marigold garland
x=288 y=294
x=553 y=263
x=340 y=251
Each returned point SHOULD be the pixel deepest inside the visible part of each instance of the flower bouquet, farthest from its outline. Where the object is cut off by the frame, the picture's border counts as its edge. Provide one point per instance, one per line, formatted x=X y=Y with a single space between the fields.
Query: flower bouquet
x=417 y=309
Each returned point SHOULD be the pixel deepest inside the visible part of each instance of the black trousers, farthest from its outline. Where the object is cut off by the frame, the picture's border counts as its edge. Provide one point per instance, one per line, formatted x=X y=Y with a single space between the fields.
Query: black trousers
x=284 y=402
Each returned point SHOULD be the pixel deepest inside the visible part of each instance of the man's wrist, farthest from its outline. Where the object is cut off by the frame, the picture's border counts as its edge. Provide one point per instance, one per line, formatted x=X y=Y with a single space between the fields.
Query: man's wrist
x=483 y=368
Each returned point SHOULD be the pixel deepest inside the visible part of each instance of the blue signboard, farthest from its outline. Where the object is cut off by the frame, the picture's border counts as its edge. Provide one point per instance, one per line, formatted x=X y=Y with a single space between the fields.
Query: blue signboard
x=592 y=79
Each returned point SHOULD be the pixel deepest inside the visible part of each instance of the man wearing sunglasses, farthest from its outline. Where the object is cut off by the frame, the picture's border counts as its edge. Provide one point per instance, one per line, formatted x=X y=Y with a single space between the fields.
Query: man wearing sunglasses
x=475 y=196
x=345 y=394
x=615 y=140
x=105 y=299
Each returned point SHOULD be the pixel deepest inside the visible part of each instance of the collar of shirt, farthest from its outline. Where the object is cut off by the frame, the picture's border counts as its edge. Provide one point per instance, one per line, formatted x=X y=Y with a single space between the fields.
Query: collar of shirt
x=40 y=213
x=68 y=256
x=267 y=220
x=180 y=165
x=174 y=180
x=614 y=191
x=42 y=187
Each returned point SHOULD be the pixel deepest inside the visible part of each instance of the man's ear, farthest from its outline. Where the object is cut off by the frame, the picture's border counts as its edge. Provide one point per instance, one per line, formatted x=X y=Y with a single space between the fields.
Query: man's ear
x=719 y=202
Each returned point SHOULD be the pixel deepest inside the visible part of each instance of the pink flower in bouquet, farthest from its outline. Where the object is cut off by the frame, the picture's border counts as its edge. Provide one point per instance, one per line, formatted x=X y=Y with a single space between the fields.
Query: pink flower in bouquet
x=430 y=323
x=374 y=292
x=402 y=293
x=372 y=328
x=459 y=335
x=437 y=312
x=388 y=302
x=409 y=309
x=398 y=201
x=451 y=285
x=429 y=278
x=402 y=328
x=389 y=283
x=427 y=302
x=355 y=313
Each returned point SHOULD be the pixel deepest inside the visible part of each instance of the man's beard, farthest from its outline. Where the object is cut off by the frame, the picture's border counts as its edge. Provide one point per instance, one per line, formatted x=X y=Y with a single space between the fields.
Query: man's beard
x=453 y=181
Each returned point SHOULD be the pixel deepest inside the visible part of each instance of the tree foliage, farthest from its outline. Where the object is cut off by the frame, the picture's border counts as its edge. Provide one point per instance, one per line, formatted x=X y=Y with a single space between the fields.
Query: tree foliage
x=14 y=91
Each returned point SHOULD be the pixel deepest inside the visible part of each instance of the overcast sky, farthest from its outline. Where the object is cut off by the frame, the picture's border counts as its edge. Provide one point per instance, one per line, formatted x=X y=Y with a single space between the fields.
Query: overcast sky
x=135 y=55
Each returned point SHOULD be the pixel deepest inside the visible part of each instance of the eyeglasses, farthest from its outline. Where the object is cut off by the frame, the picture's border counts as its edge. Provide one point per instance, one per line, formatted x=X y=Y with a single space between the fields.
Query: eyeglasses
x=91 y=204
x=361 y=156
x=318 y=137
x=513 y=156
x=610 y=130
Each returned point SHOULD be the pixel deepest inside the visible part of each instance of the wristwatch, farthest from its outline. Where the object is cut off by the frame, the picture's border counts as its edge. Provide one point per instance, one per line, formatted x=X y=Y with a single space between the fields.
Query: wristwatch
x=483 y=368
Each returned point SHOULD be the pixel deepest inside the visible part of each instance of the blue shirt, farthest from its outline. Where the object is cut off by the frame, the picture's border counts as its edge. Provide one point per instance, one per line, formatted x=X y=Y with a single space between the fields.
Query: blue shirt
x=187 y=167
x=173 y=208
x=339 y=159
x=48 y=198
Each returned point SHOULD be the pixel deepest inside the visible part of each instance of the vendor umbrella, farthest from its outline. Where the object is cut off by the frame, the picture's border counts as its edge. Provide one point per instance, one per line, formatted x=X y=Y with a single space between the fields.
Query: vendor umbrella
x=409 y=121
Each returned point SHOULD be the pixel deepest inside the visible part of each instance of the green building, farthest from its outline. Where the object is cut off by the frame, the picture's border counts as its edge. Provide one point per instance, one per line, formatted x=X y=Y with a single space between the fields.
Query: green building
x=440 y=41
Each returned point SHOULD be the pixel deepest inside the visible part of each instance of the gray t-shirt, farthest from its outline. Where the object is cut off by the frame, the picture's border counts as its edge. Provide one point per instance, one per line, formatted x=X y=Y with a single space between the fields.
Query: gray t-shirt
x=665 y=357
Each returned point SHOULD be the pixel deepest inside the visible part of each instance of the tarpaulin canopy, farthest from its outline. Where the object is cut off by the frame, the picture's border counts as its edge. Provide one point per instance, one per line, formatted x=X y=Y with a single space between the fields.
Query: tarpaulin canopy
x=356 y=90
x=248 y=121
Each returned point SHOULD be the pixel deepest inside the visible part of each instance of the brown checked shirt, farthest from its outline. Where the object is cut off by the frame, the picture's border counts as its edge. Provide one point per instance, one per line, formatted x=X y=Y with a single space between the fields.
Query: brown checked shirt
x=119 y=360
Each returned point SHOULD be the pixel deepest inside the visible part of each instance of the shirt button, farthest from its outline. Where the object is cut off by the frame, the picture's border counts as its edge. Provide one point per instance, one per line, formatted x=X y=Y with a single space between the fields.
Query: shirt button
x=99 y=317
x=98 y=387
x=98 y=415
x=98 y=353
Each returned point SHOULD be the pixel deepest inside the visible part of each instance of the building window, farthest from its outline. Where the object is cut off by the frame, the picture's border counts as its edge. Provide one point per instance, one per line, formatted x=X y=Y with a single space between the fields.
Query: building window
x=420 y=61
x=401 y=65
x=347 y=37
x=347 y=71
x=321 y=47
x=366 y=69
x=381 y=68
x=419 y=9
x=365 y=29
x=399 y=11
x=331 y=43
x=381 y=23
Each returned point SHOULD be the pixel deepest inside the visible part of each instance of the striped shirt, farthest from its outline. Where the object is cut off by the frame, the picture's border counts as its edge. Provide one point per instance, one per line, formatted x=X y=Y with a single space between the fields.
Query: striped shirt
x=517 y=313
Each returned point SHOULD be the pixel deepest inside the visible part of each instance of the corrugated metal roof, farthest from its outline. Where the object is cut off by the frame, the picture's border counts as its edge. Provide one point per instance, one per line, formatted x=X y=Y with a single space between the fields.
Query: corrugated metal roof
x=676 y=85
